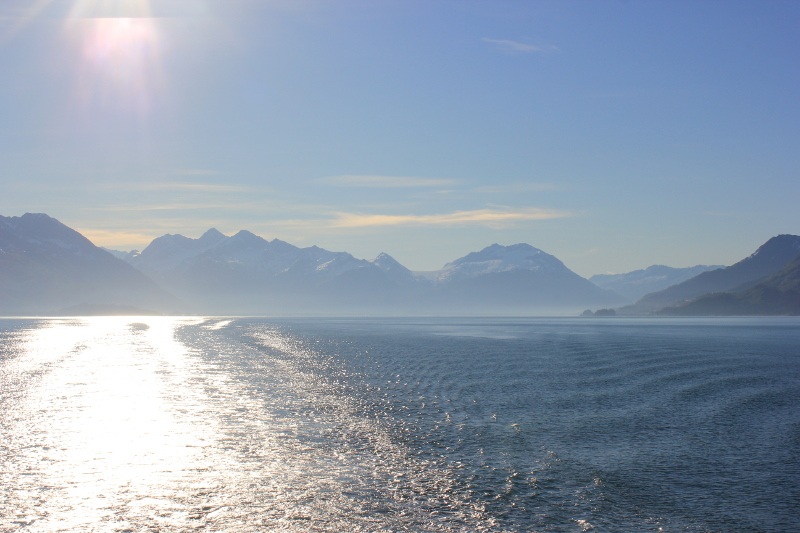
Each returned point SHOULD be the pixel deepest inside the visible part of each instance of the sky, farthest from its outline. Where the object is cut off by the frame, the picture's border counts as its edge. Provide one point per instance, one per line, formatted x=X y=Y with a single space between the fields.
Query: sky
x=611 y=134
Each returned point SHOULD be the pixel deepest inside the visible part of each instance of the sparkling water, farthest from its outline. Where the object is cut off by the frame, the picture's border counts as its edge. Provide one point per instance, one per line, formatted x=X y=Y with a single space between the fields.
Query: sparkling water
x=544 y=424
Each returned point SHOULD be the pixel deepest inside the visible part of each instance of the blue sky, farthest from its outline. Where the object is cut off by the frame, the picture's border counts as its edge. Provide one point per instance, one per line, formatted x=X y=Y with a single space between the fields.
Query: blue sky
x=613 y=135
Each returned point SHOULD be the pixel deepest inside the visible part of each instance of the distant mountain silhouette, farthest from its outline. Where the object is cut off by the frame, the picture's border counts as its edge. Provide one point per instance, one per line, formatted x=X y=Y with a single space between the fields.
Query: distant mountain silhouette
x=46 y=267
x=513 y=279
x=633 y=285
x=779 y=294
x=248 y=274
x=770 y=258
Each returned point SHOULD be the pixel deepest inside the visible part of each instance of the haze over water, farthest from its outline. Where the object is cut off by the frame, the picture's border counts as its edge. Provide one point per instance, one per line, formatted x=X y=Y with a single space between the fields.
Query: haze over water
x=235 y=424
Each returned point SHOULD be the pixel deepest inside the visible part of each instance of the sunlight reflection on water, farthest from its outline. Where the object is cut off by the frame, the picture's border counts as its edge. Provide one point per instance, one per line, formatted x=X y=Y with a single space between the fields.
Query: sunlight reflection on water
x=95 y=426
x=177 y=424
x=111 y=424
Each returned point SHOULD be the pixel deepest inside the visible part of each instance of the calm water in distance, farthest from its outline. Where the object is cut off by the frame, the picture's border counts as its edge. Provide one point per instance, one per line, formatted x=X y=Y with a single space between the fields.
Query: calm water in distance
x=176 y=424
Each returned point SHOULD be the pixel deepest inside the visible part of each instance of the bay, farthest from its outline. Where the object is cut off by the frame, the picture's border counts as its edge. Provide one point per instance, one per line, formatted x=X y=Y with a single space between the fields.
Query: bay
x=424 y=424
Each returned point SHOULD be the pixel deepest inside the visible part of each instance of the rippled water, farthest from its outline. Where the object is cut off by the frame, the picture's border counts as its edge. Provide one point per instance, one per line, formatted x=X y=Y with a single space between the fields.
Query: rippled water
x=212 y=424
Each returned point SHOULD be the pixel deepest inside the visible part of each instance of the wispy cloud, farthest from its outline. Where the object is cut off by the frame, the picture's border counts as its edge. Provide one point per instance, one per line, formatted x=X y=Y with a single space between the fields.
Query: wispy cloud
x=189 y=186
x=384 y=181
x=175 y=186
x=514 y=188
x=122 y=239
x=170 y=207
x=515 y=47
x=137 y=187
x=477 y=216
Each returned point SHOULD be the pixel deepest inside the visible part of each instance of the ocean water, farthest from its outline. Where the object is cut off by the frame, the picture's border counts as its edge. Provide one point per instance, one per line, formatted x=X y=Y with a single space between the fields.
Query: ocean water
x=538 y=425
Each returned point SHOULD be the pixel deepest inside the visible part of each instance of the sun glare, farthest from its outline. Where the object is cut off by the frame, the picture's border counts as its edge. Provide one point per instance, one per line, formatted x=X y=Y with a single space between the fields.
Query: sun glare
x=119 y=56
x=111 y=8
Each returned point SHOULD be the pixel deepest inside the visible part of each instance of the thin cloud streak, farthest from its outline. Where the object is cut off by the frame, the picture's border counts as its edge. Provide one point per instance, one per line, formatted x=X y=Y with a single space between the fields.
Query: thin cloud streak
x=189 y=186
x=511 y=47
x=168 y=207
x=384 y=181
x=478 y=216
x=110 y=238
x=153 y=186
x=515 y=188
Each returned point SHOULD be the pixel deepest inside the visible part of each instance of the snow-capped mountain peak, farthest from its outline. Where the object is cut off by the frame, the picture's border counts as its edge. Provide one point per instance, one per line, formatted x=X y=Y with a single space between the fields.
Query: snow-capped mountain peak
x=497 y=258
x=388 y=263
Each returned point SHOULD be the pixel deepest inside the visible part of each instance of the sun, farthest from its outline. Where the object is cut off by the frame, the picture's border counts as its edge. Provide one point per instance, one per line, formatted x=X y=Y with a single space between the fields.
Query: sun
x=111 y=9
x=120 y=57
x=118 y=49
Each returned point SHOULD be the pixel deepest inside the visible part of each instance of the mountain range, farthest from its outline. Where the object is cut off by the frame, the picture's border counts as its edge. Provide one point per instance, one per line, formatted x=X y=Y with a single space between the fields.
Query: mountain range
x=247 y=274
x=767 y=260
x=634 y=285
x=778 y=294
x=48 y=268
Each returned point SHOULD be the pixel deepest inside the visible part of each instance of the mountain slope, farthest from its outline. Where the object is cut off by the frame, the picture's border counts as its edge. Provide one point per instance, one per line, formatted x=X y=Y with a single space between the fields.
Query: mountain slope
x=46 y=266
x=496 y=258
x=770 y=258
x=633 y=285
x=517 y=279
x=246 y=274
x=779 y=294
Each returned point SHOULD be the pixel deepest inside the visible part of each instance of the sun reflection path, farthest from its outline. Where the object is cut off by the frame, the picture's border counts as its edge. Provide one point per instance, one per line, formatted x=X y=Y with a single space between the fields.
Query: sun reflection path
x=176 y=424
x=99 y=423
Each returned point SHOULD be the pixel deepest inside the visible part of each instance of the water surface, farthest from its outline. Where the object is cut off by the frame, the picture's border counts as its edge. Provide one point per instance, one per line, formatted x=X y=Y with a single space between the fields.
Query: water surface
x=235 y=424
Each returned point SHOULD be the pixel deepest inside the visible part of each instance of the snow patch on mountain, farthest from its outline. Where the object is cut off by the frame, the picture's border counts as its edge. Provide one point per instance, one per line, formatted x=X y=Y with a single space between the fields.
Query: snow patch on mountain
x=496 y=259
x=389 y=264
x=340 y=262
